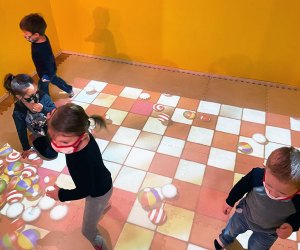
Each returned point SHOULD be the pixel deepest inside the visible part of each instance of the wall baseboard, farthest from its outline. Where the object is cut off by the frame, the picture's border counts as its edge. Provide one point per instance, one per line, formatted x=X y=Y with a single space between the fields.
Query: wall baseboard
x=177 y=70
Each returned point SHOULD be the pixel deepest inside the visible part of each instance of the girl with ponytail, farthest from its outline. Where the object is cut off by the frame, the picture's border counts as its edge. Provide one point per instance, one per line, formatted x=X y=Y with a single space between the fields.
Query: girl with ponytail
x=69 y=131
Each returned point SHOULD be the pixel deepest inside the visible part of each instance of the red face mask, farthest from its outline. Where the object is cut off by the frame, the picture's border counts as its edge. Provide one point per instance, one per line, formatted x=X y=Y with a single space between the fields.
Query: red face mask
x=67 y=149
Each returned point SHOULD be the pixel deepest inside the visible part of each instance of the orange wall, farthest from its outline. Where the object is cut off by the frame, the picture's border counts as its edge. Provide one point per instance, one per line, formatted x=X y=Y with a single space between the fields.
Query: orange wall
x=253 y=39
x=14 y=49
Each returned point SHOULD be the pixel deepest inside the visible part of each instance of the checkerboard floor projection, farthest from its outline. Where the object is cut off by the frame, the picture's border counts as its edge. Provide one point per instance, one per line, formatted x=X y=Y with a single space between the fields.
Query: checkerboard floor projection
x=155 y=139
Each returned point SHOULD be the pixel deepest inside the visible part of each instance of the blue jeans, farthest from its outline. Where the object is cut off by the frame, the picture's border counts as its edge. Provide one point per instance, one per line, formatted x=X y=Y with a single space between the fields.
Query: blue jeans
x=57 y=81
x=238 y=225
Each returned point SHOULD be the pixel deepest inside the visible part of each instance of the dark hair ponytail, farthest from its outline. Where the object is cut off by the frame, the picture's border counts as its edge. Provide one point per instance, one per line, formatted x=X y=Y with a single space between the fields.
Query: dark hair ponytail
x=16 y=85
x=7 y=82
x=71 y=118
x=97 y=121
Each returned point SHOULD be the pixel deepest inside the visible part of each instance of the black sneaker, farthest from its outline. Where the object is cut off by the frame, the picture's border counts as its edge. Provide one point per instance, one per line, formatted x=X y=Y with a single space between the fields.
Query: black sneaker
x=71 y=94
x=217 y=245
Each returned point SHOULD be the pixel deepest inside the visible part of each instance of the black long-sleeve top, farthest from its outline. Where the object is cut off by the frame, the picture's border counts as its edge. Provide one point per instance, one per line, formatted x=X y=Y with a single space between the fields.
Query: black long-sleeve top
x=43 y=58
x=88 y=172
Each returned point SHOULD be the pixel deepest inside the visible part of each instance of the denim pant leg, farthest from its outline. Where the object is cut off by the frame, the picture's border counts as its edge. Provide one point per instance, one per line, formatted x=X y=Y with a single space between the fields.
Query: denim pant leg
x=94 y=207
x=43 y=86
x=235 y=226
x=60 y=83
x=261 y=241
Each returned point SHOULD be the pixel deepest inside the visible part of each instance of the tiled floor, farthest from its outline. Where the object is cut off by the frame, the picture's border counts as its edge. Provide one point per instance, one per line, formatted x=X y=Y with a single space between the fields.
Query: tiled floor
x=191 y=143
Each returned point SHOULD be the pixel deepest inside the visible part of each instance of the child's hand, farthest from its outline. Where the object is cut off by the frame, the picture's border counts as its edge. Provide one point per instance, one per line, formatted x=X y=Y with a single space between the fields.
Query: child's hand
x=50 y=114
x=226 y=209
x=26 y=153
x=53 y=193
x=37 y=107
x=284 y=231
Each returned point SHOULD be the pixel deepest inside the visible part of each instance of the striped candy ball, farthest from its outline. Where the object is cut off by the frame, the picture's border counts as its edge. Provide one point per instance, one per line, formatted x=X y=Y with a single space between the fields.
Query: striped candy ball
x=157 y=216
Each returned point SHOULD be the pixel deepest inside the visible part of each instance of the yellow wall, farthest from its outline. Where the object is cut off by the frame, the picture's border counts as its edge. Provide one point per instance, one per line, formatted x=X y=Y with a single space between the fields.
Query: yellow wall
x=257 y=39
x=253 y=39
x=14 y=49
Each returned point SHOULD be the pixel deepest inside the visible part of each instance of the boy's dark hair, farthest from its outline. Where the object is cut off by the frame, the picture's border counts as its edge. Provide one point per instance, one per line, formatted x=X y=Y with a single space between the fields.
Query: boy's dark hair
x=284 y=164
x=71 y=118
x=33 y=23
x=16 y=85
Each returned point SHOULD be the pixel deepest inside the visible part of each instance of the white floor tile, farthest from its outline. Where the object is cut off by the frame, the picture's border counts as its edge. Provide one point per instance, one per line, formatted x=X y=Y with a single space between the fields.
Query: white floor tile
x=126 y=136
x=83 y=96
x=171 y=146
x=113 y=168
x=139 y=216
x=278 y=135
x=258 y=149
x=252 y=115
x=201 y=135
x=231 y=111
x=155 y=126
x=139 y=158
x=82 y=104
x=148 y=141
x=228 y=125
x=179 y=117
x=116 y=152
x=102 y=144
x=293 y=236
x=209 y=107
x=132 y=93
x=190 y=171
x=243 y=238
x=104 y=100
x=237 y=177
x=223 y=159
x=194 y=247
x=65 y=181
x=57 y=164
x=168 y=100
x=295 y=124
x=117 y=116
x=129 y=179
x=155 y=181
x=96 y=85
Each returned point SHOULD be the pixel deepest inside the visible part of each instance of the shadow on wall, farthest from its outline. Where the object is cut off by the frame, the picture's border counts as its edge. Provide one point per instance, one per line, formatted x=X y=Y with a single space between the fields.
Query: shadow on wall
x=102 y=37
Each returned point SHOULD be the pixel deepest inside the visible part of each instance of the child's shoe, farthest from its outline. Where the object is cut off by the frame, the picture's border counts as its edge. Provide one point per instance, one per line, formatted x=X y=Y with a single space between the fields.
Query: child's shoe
x=45 y=78
x=71 y=94
x=217 y=245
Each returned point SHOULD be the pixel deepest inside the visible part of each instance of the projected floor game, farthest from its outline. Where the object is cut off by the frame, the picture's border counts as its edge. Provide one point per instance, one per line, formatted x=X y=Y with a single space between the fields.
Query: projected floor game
x=173 y=161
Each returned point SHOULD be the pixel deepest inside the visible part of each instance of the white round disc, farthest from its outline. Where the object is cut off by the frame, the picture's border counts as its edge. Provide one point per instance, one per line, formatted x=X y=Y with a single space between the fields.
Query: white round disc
x=259 y=138
x=144 y=96
x=169 y=191
x=58 y=212
x=32 y=156
x=47 y=179
x=49 y=188
x=14 y=210
x=46 y=203
x=31 y=214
